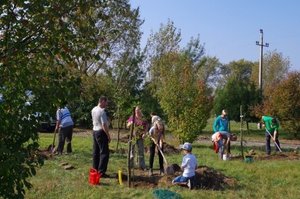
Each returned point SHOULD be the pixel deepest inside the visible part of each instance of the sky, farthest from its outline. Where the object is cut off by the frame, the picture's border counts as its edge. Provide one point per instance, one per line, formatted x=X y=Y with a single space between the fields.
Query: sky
x=229 y=29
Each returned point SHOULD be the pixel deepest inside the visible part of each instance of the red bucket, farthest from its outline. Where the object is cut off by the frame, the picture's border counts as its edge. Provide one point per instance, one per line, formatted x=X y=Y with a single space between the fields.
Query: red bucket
x=94 y=177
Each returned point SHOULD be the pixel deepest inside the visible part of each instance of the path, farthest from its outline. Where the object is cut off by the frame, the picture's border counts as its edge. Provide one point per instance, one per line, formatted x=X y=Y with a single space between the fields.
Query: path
x=286 y=144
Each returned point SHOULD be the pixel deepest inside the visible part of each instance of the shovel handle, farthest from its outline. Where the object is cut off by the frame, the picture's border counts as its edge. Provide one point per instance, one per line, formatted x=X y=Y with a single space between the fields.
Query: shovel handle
x=162 y=154
x=274 y=140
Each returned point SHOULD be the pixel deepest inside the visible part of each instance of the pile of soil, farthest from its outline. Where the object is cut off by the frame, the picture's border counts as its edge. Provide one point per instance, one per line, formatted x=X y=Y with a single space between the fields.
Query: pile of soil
x=44 y=154
x=206 y=178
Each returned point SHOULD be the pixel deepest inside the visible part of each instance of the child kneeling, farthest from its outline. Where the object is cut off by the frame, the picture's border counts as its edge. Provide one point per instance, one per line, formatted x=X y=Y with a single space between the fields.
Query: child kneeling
x=188 y=165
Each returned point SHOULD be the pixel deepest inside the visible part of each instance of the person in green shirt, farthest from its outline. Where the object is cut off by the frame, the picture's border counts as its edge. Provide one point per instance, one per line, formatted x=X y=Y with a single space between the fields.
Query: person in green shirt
x=271 y=125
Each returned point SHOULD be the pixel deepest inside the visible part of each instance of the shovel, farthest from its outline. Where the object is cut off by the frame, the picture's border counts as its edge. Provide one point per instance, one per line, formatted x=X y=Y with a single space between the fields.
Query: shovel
x=168 y=169
x=51 y=147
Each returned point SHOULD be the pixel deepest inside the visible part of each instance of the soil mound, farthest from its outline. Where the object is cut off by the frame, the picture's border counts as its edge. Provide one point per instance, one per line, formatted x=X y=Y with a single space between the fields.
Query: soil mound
x=206 y=178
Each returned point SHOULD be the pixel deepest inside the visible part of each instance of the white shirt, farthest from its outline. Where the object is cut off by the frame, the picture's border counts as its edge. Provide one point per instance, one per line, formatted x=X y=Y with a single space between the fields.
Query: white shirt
x=99 y=118
x=189 y=165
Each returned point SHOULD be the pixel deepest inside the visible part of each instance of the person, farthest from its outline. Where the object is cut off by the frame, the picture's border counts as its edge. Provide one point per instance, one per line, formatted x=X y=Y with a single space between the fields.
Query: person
x=221 y=133
x=156 y=134
x=101 y=137
x=140 y=131
x=188 y=165
x=64 y=125
x=154 y=117
x=271 y=125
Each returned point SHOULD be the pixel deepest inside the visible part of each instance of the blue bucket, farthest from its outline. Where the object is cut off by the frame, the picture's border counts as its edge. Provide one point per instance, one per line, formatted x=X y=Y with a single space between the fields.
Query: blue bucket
x=248 y=159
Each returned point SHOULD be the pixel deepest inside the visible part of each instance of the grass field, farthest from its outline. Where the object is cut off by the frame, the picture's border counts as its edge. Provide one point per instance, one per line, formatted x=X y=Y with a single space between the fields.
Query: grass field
x=260 y=179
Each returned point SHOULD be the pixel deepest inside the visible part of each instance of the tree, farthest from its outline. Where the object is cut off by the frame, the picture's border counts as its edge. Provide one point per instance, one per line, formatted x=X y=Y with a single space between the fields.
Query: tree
x=234 y=94
x=184 y=99
x=175 y=83
x=238 y=90
x=283 y=101
x=209 y=71
x=164 y=41
x=47 y=50
x=275 y=68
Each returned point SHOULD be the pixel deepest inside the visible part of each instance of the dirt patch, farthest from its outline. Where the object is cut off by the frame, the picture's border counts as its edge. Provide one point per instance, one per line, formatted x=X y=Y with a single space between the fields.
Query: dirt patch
x=44 y=154
x=206 y=178
x=279 y=156
x=209 y=178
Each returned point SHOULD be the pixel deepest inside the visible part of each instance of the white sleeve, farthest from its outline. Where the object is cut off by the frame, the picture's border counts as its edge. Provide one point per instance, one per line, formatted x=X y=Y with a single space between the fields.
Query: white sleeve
x=151 y=131
x=184 y=163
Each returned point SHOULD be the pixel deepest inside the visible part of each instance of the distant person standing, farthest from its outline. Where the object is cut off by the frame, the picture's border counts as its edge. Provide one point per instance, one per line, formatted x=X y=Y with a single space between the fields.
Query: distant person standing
x=221 y=125
x=272 y=125
x=101 y=137
x=64 y=124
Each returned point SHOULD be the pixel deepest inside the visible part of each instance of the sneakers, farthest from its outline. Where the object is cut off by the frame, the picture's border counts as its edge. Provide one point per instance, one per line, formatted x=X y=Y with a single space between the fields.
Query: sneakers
x=189 y=184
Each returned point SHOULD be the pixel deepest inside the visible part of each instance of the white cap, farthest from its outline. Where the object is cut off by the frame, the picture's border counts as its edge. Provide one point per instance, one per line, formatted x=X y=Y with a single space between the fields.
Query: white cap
x=186 y=146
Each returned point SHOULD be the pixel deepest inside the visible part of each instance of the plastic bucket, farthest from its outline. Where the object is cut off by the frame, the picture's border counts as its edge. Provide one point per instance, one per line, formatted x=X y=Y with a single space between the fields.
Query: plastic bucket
x=248 y=159
x=94 y=177
x=226 y=157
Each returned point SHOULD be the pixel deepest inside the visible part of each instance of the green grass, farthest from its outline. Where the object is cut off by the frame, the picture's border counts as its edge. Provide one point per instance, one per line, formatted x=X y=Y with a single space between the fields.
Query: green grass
x=260 y=179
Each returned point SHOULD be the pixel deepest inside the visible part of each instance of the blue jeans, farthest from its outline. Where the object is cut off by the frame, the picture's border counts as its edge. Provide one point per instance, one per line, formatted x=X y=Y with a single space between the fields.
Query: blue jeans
x=181 y=180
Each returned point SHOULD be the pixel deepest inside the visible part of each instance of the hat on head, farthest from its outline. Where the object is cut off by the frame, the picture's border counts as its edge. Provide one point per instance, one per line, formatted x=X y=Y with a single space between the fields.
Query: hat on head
x=186 y=146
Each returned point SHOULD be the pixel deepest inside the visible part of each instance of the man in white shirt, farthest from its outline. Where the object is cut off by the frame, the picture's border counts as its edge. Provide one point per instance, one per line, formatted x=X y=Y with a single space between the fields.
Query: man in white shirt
x=101 y=137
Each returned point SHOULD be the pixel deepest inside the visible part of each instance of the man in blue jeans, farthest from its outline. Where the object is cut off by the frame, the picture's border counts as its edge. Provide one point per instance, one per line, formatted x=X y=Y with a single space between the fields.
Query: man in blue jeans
x=101 y=137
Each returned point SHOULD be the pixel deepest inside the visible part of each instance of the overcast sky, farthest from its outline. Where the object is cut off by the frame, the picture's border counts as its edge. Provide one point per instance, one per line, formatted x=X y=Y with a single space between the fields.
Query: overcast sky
x=229 y=29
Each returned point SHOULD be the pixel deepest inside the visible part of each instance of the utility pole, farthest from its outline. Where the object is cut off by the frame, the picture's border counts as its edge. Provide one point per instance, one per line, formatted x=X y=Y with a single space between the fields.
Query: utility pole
x=262 y=45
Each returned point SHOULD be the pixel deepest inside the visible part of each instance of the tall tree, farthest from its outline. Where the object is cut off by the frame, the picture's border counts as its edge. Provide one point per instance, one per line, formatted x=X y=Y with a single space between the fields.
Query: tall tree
x=175 y=82
x=234 y=94
x=184 y=99
x=210 y=71
x=238 y=89
x=283 y=101
x=275 y=68
x=45 y=47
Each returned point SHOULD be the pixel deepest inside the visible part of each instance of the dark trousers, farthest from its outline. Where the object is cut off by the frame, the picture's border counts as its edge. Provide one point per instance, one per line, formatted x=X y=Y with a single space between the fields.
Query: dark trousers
x=268 y=142
x=160 y=157
x=100 y=151
x=65 y=135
